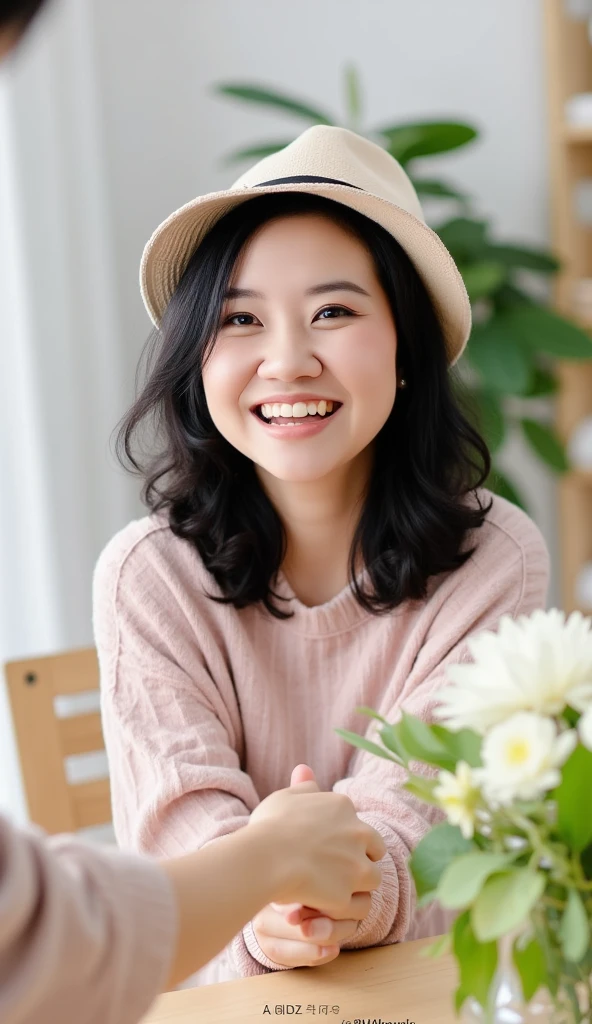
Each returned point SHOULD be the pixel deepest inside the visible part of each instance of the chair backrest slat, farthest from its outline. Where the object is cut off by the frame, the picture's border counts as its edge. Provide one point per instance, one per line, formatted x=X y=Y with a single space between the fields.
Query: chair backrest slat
x=44 y=740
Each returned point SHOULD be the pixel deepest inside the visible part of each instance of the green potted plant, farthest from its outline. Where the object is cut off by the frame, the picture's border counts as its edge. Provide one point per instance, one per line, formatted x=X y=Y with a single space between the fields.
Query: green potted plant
x=516 y=338
x=510 y=767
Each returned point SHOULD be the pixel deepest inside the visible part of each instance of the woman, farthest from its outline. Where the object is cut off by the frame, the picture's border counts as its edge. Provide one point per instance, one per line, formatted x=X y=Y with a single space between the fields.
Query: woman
x=319 y=538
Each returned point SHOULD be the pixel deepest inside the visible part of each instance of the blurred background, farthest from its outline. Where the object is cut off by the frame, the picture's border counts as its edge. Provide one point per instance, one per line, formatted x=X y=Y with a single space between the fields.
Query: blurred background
x=111 y=117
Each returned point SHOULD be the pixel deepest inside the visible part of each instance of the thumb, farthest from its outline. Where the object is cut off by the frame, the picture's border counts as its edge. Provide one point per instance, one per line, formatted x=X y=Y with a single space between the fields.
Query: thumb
x=302 y=773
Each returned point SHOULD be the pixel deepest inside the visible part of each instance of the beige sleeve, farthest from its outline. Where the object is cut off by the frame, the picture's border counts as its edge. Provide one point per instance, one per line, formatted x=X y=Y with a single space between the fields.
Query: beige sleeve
x=86 y=933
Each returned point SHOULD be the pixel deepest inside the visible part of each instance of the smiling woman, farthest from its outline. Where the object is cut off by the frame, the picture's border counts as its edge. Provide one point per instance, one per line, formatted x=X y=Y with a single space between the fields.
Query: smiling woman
x=319 y=537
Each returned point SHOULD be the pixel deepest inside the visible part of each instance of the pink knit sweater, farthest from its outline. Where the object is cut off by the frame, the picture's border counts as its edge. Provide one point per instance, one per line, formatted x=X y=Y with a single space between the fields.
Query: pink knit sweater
x=208 y=708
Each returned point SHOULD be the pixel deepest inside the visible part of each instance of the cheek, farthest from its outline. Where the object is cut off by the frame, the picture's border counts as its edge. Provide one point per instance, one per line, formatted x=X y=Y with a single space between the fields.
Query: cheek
x=368 y=365
x=225 y=376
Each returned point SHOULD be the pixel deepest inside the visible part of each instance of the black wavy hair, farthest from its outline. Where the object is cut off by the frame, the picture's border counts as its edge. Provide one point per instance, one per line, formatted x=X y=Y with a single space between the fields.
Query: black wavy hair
x=19 y=12
x=428 y=458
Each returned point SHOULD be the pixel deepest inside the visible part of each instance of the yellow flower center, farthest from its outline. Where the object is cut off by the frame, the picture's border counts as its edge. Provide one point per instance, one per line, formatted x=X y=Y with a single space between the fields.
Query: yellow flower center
x=517 y=751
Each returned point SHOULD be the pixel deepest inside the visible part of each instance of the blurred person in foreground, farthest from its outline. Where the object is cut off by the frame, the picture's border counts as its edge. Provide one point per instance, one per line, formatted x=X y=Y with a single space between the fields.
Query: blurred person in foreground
x=94 y=935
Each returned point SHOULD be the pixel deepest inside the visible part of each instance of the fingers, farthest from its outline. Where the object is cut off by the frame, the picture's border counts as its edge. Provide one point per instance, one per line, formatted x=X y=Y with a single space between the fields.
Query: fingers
x=327 y=932
x=356 y=909
x=290 y=953
x=302 y=773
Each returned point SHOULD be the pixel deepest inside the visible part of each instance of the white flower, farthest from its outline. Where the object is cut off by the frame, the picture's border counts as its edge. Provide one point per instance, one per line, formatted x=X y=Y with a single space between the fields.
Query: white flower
x=522 y=757
x=458 y=796
x=540 y=663
x=585 y=728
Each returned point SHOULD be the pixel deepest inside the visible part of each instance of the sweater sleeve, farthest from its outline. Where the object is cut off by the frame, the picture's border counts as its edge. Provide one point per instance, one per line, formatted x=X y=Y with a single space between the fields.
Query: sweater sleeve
x=173 y=735
x=514 y=582
x=510 y=579
x=86 y=934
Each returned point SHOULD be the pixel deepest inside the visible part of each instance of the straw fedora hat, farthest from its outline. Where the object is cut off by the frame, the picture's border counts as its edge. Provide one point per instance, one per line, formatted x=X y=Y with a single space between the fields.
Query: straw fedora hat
x=344 y=167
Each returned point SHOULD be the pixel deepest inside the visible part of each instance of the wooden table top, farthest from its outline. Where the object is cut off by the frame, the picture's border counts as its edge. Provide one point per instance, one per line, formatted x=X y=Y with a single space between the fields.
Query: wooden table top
x=392 y=983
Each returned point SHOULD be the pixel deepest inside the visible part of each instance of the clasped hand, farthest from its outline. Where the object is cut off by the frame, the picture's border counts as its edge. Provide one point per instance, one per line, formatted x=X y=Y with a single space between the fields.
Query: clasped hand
x=295 y=936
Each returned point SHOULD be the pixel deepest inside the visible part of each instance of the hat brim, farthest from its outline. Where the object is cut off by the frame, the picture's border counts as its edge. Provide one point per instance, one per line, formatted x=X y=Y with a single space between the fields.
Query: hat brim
x=169 y=250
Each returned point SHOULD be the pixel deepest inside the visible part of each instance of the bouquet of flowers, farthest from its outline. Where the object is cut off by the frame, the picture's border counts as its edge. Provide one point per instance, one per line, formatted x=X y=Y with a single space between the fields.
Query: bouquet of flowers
x=511 y=759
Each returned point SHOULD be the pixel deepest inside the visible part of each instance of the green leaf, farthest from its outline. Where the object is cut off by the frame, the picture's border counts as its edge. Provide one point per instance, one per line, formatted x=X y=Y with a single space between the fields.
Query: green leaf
x=464 y=745
x=464 y=237
x=530 y=964
x=574 y=800
x=440 y=189
x=524 y=258
x=371 y=713
x=422 y=788
x=491 y=419
x=482 y=278
x=437 y=948
x=438 y=848
x=543 y=383
x=499 y=483
x=574 y=930
x=463 y=880
x=504 y=366
x=505 y=901
x=586 y=859
x=477 y=962
x=364 y=744
x=546 y=444
x=421 y=743
x=390 y=737
x=425 y=138
x=271 y=98
x=353 y=97
x=256 y=152
x=544 y=331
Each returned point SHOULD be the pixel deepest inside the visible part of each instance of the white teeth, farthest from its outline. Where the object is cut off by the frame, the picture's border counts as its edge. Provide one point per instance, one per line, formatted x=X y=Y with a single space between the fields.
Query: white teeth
x=277 y=410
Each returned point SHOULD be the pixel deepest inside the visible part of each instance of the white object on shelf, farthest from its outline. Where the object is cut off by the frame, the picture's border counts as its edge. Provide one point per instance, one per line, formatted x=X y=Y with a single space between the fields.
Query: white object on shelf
x=578 y=109
x=579 y=10
x=579 y=446
x=584 y=587
x=583 y=200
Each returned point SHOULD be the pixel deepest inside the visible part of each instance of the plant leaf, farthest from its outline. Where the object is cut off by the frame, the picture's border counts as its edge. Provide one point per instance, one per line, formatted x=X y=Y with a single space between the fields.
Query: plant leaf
x=422 y=788
x=464 y=745
x=421 y=743
x=437 y=948
x=525 y=258
x=363 y=744
x=463 y=880
x=574 y=800
x=574 y=929
x=544 y=331
x=545 y=444
x=505 y=901
x=438 y=848
x=371 y=713
x=503 y=365
x=353 y=97
x=530 y=964
x=256 y=152
x=482 y=278
x=499 y=483
x=410 y=140
x=464 y=237
x=543 y=383
x=271 y=98
x=390 y=737
x=431 y=187
x=477 y=962
x=491 y=420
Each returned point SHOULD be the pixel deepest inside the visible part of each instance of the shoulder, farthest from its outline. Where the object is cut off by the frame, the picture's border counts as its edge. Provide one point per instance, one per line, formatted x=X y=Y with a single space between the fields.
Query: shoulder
x=509 y=533
x=147 y=554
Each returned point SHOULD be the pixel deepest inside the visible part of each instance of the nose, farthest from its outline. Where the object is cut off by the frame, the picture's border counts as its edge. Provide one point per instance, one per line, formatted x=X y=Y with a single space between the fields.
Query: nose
x=289 y=355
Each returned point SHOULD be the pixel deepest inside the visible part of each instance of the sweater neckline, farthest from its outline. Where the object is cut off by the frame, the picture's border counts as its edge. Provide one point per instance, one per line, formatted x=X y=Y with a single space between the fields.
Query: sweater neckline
x=340 y=613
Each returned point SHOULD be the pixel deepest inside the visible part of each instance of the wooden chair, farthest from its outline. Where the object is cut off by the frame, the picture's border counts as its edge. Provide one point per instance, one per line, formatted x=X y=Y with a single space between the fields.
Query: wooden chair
x=44 y=739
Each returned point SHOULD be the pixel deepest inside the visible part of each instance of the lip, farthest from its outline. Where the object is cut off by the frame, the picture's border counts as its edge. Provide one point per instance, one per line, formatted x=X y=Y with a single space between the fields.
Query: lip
x=303 y=428
x=291 y=399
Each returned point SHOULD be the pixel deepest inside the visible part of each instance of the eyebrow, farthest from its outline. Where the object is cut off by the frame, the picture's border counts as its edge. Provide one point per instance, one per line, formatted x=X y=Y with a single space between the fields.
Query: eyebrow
x=319 y=289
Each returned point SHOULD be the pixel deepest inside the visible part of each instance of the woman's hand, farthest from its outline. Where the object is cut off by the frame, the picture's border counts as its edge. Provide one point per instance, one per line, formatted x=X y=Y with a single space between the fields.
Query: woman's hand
x=296 y=936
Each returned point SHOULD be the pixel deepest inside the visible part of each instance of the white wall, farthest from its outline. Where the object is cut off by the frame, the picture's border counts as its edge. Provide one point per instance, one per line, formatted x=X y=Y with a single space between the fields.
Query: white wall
x=114 y=126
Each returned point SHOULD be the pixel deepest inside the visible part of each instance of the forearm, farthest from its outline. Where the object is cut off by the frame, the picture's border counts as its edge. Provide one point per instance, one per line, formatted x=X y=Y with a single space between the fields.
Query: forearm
x=218 y=889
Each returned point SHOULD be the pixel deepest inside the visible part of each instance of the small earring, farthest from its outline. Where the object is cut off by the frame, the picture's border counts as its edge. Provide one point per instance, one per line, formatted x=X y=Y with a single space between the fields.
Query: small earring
x=402 y=383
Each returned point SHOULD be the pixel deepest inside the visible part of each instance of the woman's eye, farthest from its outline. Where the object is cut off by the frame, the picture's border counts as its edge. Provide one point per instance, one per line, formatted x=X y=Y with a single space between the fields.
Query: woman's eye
x=333 y=312
x=241 y=320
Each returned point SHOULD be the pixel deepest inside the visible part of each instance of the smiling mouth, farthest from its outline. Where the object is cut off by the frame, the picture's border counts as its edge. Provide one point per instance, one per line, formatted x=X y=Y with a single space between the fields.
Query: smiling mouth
x=282 y=414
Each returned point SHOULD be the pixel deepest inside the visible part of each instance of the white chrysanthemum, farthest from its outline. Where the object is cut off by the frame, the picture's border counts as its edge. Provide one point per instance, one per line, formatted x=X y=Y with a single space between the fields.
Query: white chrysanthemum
x=522 y=757
x=539 y=663
x=458 y=796
x=585 y=728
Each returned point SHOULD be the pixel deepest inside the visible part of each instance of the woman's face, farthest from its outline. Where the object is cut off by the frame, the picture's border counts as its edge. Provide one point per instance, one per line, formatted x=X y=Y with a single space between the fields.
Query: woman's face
x=302 y=374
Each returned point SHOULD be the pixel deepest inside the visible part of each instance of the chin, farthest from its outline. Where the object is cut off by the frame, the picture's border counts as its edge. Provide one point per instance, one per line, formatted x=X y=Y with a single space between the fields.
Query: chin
x=297 y=473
